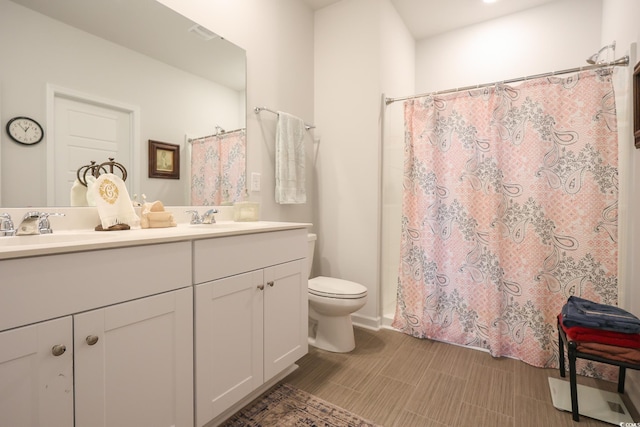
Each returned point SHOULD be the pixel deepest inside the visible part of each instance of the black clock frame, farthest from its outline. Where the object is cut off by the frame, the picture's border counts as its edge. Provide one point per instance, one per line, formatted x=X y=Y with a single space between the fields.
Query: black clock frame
x=24 y=118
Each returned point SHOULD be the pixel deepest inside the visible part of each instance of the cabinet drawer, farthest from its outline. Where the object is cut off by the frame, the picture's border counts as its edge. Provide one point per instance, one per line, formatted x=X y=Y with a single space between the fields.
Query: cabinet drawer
x=225 y=256
x=41 y=288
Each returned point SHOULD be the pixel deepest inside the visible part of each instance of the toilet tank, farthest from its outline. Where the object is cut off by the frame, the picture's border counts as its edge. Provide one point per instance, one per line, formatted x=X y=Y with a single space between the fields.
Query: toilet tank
x=311 y=244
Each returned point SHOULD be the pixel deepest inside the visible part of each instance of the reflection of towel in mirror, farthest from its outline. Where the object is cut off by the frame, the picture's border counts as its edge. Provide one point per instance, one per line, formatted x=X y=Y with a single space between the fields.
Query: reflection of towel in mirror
x=91 y=180
x=113 y=202
x=290 y=160
x=80 y=194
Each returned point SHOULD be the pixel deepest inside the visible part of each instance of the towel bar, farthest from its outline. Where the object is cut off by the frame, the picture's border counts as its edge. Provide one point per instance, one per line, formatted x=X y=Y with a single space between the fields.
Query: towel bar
x=258 y=109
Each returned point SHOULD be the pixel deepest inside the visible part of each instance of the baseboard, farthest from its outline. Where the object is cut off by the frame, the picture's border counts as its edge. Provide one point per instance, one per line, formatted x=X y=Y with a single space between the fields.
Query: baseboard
x=244 y=402
x=387 y=320
x=367 y=322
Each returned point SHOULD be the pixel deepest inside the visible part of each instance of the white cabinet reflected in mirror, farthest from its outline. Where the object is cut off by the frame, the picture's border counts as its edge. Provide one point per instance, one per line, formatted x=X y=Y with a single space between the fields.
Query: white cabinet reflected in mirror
x=103 y=77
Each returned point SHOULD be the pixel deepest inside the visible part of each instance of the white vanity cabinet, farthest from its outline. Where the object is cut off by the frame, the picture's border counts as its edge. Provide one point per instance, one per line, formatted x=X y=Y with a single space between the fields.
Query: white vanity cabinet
x=36 y=374
x=134 y=363
x=250 y=315
x=112 y=336
x=125 y=317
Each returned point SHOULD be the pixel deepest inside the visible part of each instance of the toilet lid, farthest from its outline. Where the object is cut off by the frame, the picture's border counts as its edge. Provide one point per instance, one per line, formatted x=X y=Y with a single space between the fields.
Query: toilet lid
x=336 y=288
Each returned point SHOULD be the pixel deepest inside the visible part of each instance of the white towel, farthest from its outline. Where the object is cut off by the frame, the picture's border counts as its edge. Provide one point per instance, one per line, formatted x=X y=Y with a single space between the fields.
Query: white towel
x=91 y=180
x=290 y=160
x=81 y=195
x=113 y=202
x=78 y=196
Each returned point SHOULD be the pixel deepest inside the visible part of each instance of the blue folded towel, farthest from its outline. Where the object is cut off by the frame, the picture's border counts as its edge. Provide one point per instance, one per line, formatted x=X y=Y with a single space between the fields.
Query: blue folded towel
x=588 y=314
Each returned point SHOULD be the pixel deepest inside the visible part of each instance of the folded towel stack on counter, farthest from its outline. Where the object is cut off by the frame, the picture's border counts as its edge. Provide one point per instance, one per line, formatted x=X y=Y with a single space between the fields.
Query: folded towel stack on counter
x=153 y=215
x=603 y=330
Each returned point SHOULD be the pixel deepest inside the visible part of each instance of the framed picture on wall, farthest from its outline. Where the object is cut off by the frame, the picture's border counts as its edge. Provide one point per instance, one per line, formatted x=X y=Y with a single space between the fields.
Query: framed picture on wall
x=636 y=104
x=164 y=160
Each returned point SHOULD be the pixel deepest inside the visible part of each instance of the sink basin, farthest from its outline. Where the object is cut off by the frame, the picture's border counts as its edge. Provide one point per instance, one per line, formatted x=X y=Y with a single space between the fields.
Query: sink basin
x=51 y=239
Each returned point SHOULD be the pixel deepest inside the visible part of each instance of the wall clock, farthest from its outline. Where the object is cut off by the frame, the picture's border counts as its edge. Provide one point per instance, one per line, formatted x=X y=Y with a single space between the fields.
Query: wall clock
x=25 y=130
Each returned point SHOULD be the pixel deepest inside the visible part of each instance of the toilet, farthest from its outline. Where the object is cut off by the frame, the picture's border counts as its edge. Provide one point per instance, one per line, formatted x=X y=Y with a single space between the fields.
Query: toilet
x=331 y=302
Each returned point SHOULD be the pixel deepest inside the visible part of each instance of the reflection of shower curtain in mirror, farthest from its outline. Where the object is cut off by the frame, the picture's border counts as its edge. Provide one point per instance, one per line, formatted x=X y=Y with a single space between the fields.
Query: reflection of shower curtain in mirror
x=509 y=207
x=218 y=169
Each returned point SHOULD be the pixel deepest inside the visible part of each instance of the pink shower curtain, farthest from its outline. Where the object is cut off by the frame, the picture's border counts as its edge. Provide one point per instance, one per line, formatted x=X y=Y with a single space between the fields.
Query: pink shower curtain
x=218 y=169
x=509 y=207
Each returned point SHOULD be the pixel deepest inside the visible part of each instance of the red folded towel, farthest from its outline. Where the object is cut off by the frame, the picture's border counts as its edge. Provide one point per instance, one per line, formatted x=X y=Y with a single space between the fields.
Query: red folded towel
x=581 y=334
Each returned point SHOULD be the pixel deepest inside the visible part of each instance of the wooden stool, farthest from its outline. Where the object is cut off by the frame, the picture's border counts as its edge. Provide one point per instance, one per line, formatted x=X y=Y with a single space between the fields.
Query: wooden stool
x=574 y=354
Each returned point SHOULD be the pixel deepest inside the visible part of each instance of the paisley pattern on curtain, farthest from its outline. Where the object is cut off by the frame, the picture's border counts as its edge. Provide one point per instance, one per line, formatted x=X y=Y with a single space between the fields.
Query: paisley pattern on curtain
x=218 y=169
x=509 y=207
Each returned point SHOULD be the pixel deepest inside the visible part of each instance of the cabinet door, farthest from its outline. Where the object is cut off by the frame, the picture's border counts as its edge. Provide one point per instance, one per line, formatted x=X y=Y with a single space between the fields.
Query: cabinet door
x=228 y=334
x=285 y=316
x=36 y=380
x=134 y=363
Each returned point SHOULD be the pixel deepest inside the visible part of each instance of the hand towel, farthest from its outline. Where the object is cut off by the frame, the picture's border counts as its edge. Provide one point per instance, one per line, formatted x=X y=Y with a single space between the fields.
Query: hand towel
x=113 y=202
x=91 y=180
x=78 y=196
x=290 y=160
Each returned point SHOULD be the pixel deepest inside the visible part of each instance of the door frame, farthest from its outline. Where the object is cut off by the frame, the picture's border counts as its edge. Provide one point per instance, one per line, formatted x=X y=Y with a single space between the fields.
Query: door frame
x=133 y=170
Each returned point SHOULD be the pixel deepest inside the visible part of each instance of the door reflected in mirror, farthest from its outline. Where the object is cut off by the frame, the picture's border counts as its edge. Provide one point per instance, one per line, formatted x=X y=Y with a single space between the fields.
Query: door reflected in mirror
x=180 y=80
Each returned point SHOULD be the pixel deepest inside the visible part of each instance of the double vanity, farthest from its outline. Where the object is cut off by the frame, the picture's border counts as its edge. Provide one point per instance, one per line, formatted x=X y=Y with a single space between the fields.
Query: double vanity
x=176 y=326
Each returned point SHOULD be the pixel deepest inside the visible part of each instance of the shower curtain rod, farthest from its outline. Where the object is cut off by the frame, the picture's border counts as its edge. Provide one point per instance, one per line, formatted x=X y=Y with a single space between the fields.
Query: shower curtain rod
x=624 y=61
x=258 y=109
x=224 y=132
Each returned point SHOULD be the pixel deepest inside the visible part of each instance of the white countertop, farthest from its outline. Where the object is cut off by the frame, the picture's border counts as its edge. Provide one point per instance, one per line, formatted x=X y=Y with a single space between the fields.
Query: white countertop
x=66 y=241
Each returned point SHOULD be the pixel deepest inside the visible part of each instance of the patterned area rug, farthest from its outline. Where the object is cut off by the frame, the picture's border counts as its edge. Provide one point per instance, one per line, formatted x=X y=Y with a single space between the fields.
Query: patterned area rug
x=287 y=406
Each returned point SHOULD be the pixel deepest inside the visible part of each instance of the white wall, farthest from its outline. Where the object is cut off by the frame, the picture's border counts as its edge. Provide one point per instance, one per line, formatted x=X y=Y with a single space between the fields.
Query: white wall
x=49 y=52
x=555 y=36
x=347 y=100
x=278 y=38
x=359 y=47
x=362 y=49
x=398 y=66
x=620 y=23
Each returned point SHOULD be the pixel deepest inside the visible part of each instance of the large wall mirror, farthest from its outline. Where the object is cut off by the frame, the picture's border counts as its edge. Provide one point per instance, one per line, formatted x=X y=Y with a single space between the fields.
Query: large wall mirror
x=103 y=77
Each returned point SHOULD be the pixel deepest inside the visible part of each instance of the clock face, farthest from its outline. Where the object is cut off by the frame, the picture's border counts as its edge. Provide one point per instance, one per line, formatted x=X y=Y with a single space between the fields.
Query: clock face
x=25 y=130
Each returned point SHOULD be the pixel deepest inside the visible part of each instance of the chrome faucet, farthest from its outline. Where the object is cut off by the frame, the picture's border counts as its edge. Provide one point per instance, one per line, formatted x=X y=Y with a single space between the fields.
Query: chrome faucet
x=195 y=217
x=44 y=225
x=6 y=225
x=36 y=223
x=206 y=218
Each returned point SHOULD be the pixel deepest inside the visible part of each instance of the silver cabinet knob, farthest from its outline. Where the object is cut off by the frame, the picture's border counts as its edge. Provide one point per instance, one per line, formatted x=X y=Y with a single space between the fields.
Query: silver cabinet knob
x=91 y=339
x=58 y=350
x=270 y=284
x=261 y=286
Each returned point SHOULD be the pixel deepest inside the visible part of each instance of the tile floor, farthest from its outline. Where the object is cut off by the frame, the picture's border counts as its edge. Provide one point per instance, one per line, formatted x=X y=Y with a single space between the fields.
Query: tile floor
x=399 y=381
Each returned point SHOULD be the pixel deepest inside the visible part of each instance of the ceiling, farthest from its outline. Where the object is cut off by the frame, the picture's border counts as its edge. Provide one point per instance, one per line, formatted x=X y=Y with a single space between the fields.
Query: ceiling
x=426 y=18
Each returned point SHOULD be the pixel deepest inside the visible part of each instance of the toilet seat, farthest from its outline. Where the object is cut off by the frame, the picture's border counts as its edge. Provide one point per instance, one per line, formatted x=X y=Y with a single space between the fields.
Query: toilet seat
x=330 y=287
